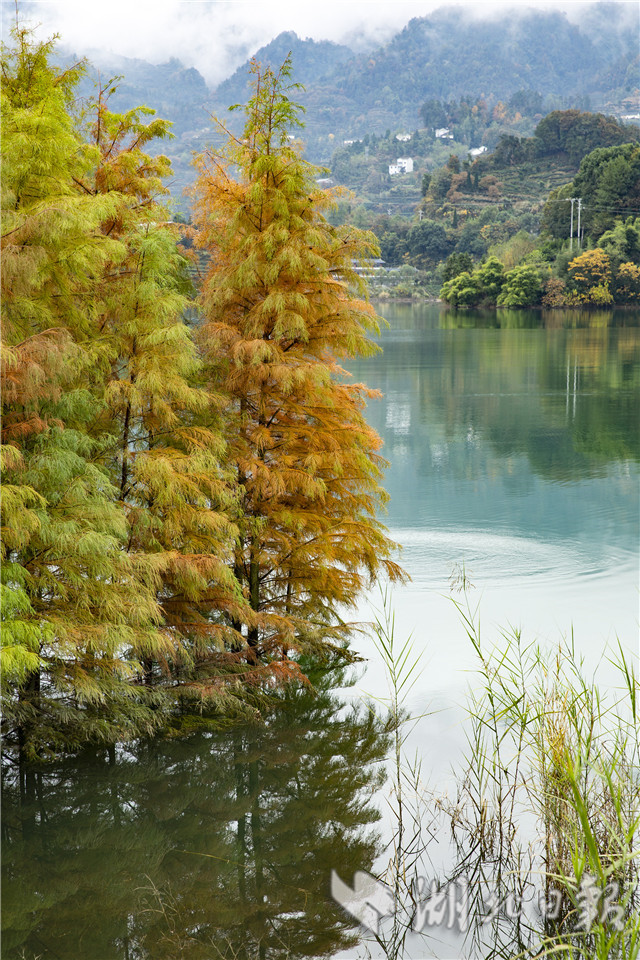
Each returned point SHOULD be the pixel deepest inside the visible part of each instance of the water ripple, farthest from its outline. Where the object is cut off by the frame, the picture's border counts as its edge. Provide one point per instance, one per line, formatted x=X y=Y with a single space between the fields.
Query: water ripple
x=491 y=558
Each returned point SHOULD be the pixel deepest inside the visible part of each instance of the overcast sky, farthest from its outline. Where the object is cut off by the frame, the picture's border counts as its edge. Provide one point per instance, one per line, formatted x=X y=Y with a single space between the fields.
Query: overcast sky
x=216 y=36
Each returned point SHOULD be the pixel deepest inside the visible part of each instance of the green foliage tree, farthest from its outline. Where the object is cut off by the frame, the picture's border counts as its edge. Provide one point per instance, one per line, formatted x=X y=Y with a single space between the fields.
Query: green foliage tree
x=622 y=242
x=522 y=287
x=463 y=290
x=456 y=264
x=489 y=284
x=512 y=251
x=608 y=182
x=73 y=600
x=393 y=247
x=432 y=114
x=279 y=313
x=577 y=133
x=526 y=101
x=512 y=151
x=453 y=163
x=428 y=241
x=556 y=214
x=490 y=278
x=440 y=183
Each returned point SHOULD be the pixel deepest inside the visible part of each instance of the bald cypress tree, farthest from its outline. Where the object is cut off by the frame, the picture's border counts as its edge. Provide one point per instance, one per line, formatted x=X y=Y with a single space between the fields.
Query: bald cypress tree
x=282 y=307
x=73 y=601
x=164 y=443
x=117 y=593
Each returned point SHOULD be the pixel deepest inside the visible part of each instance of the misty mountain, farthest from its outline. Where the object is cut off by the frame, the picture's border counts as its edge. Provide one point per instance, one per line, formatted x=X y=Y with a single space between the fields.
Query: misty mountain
x=312 y=60
x=175 y=92
x=590 y=64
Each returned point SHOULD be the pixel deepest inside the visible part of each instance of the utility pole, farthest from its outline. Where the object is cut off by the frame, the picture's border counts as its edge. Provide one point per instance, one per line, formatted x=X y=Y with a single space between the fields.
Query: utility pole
x=572 y=199
x=579 y=208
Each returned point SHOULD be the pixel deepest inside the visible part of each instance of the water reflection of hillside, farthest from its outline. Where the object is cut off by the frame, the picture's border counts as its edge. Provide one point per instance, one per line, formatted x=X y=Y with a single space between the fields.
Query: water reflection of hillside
x=564 y=396
x=530 y=430
x=419 y=316
x=211 y=846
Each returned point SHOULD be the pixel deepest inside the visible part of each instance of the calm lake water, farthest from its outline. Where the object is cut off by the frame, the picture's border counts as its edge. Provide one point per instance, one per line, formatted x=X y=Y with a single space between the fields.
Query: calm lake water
x=514 y=442
x=514 y=448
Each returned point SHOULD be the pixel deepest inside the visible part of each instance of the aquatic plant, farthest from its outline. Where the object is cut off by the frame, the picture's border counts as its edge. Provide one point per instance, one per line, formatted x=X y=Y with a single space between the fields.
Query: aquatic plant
x=544 y=818
x=548 y=801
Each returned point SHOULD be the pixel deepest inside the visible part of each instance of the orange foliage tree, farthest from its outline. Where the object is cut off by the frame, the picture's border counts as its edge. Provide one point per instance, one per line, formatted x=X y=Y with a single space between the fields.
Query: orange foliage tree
x=282 y=306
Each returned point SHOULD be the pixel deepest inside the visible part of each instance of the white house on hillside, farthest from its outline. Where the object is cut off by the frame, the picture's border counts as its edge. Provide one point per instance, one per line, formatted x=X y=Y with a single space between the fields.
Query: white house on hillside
x=477 y=151
x=443 y=133
x=403 y=137
x=402 y=165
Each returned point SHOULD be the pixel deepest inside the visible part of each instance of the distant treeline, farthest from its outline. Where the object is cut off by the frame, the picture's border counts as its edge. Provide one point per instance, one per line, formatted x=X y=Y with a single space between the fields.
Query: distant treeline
x=569 y=132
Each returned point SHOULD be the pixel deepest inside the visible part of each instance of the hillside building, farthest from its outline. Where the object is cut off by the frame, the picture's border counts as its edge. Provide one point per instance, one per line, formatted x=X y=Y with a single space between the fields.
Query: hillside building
x=402 y=165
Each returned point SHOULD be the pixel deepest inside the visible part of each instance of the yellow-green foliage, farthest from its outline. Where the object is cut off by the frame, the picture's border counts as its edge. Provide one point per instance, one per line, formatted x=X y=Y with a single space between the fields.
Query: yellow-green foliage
x=114 y=573
x=589 y=277
x=149 y=568
x=628 y=281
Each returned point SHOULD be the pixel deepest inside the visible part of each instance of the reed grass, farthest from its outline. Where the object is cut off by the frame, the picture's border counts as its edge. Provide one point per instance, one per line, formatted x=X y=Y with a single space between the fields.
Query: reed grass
x=547 y=805
x=550 y=796
x=408 y=800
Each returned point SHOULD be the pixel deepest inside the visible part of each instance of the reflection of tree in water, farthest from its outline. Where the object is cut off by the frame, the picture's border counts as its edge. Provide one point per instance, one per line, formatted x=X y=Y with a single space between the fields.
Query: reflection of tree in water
x=559 y=388
x=216 y=845
x=578 y=383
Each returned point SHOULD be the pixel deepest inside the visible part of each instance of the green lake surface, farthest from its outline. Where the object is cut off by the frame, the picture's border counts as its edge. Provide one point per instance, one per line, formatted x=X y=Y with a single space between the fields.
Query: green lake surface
x=514 y=452
x=514 y=446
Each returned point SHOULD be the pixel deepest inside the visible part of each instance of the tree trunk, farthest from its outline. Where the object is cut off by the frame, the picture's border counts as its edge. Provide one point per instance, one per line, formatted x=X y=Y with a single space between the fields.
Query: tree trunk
x=29 y=693
x=254 y=597
x=241 y=823
x=256 y=840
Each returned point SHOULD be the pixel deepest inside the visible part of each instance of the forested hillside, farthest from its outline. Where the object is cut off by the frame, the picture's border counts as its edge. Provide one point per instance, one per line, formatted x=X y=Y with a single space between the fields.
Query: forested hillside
x=452 y=54
x=458 y=187
x=455 y=212
x=520 y=66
